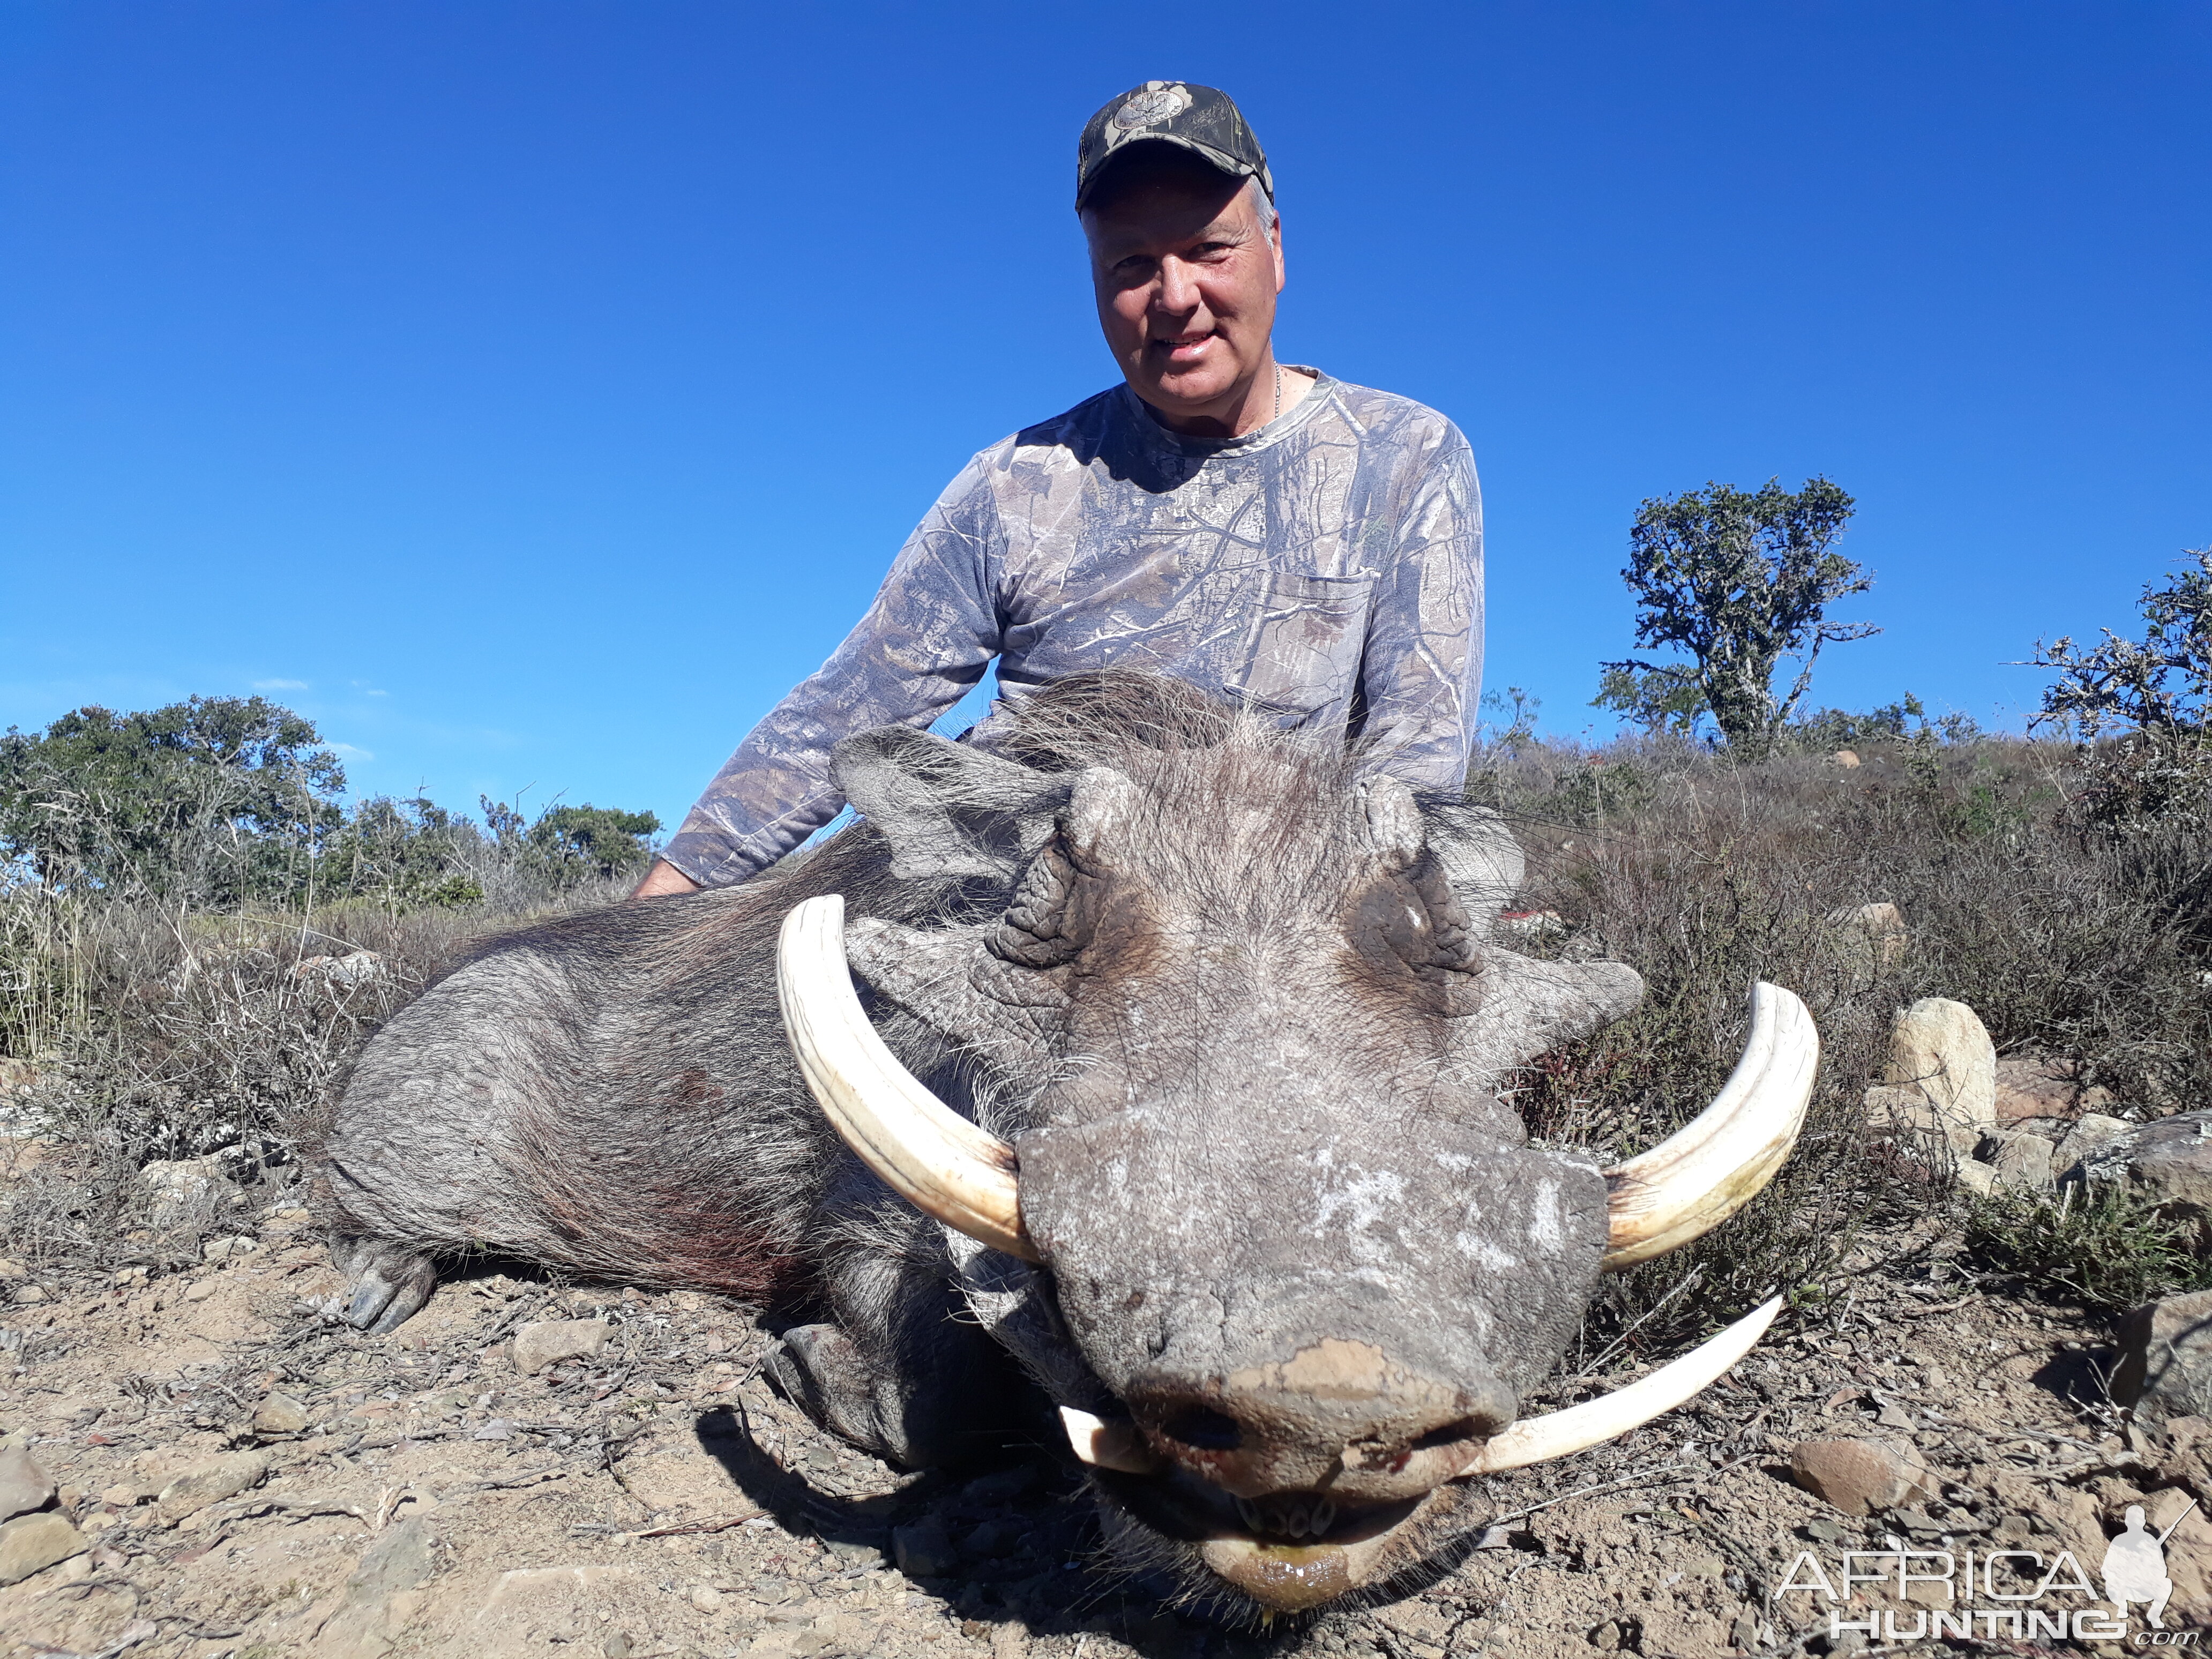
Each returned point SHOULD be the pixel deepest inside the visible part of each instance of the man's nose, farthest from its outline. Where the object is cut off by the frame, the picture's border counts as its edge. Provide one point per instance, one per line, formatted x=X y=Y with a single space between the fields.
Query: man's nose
x=1178 y=292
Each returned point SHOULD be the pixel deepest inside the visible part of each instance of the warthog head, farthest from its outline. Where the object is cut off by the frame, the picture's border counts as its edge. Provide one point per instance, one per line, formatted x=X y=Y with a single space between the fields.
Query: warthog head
x=1236 y=1189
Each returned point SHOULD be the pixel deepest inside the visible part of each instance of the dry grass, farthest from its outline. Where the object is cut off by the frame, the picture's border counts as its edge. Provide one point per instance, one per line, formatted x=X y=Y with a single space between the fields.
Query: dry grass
x=2069 y=937
x=151 y=1034
x=162 y=1034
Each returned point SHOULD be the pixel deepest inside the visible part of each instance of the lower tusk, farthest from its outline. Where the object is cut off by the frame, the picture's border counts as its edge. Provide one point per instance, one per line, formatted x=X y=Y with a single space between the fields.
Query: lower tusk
x=1558 y=1434
x=1105 y=1445
x=1712 y=1167
x=926 y=1152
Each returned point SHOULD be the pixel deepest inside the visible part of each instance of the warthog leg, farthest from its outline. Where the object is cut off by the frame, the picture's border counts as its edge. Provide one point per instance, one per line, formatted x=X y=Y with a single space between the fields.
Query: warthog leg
x=386 y=1284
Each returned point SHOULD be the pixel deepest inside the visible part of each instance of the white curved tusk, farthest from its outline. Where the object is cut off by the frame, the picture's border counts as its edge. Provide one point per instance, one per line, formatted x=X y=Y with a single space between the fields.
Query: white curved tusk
x=1105 y=1445
x=1558 y=1434
x=1712 y=1167
x=931 y=1156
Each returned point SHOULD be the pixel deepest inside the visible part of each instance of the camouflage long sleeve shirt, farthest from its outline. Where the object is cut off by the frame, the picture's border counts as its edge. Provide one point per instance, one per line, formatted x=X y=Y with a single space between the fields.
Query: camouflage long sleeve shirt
x=1327 y=565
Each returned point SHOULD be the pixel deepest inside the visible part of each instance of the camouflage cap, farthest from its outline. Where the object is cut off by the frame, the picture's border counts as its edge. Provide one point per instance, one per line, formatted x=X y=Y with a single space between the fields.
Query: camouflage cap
x=1201 y=119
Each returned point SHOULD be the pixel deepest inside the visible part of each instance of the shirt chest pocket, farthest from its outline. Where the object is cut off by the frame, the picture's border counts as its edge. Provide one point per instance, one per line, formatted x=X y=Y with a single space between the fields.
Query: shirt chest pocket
x=1307 y=642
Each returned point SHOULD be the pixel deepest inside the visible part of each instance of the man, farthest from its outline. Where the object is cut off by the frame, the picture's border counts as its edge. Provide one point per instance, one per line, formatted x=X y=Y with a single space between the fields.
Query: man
x=1309 y=547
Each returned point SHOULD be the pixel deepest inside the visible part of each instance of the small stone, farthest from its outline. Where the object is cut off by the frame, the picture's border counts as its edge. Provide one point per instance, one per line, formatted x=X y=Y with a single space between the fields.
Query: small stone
x=122 y=1495
x=210 y=1483
x=1606 y=1638
x=1825 y=1530
x=550 y=1341
x=24 y=1485
x=29 y=1293
x=2090 y=1131
x=1976 y=1177
x=706 y=1598
x=1941 y=1049
x=226 y=1249
x=2168 y=1161
x=616 y=1646
x=279 y=1414
x=2164 y=1369
x=1859 y=1476
x=2020 y=1160
x=32 y=1543
x=201 y=1289
x=924 y=1551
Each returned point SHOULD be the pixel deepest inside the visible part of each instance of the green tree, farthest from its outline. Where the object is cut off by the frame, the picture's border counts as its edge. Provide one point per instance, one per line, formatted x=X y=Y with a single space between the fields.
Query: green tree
x=1737 y=581
x=2161 y=686
x=1667 y=698
x=2156 y=692
x=602 y=840
x=206 y=800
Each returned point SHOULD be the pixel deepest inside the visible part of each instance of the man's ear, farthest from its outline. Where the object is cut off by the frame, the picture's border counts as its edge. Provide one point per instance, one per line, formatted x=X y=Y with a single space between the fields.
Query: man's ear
x=947 y=809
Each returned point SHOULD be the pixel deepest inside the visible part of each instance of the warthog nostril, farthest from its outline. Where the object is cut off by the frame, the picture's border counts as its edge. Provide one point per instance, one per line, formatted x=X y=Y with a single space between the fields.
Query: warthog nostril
x=1447 y=1434
x=1203 y=1429
x=1287 y=1515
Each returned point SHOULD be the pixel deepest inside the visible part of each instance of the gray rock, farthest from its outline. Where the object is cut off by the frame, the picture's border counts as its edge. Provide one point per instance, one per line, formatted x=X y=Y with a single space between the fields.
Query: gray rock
x=2168 y=1161
x=189 y=1190
x=1976 y=1177
x=24 y=1485
x=32 y=1543
x=399 y=1560
x=550 y=1341
x=2165 y=1366
x=924 y=1550
x=1860 y=1476
x=1874 y=935
x=210 y=1483
x=279 y=1414
x=2020 y=1160
x=1904 y=1109
x=1940 y=1047
x=2090 y=1131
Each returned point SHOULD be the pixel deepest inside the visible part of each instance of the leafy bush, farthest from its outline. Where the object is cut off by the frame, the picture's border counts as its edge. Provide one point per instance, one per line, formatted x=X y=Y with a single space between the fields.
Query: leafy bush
x=2156 y=692
x=2107 y=1250
x=1737 y=581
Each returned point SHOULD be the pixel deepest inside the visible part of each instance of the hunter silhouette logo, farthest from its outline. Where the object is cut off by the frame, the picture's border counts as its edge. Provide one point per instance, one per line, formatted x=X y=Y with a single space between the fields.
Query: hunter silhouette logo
x=2135 y=1566
x=1998 y=1593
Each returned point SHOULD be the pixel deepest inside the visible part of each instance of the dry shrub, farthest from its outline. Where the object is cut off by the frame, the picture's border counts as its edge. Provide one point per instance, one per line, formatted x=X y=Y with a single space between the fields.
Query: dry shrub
x=152 y=1034
x=2067 y=939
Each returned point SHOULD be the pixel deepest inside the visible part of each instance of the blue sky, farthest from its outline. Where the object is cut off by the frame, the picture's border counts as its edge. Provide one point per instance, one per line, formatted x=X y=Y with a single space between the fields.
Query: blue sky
x=532 y=393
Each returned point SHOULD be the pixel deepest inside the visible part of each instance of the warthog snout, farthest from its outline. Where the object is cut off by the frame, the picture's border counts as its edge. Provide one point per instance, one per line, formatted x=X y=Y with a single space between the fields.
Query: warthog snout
x=1339 y=1418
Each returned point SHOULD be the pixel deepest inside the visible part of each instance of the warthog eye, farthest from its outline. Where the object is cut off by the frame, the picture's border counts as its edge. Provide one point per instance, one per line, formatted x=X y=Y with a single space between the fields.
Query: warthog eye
x=1203 y=1429
x=1031 y=932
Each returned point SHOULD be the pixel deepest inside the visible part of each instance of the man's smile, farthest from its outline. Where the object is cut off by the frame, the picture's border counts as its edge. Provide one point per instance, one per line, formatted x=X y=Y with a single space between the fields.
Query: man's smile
x=1184 y=348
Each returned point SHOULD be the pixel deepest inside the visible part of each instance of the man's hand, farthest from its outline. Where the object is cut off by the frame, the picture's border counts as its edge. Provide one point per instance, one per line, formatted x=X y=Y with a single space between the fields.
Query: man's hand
x=663 y=878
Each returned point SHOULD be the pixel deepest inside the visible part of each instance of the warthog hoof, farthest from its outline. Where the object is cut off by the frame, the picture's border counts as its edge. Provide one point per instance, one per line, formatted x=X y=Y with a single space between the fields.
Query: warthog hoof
x=386 y=1284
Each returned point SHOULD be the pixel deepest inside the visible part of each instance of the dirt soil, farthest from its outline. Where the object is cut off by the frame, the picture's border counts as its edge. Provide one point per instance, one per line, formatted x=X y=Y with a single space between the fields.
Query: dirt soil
x=658 y=1499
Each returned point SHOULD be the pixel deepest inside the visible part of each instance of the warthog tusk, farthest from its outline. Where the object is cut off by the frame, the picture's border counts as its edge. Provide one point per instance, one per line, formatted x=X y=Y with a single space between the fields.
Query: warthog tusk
x=931 y=1156
x=1558 y=1434
x=1105 y=1445
x=1712 y=1167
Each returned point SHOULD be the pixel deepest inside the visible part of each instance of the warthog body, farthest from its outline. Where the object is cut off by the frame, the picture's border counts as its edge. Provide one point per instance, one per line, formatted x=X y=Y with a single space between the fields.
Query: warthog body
x=1232 y=998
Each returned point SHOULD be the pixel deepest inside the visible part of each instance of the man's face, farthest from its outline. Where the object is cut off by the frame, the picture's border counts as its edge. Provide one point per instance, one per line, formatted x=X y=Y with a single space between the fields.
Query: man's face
x=1186 y=281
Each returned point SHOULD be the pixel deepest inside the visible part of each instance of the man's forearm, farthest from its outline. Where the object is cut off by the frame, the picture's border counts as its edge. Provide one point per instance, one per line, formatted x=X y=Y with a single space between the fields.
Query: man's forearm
x=663 y=880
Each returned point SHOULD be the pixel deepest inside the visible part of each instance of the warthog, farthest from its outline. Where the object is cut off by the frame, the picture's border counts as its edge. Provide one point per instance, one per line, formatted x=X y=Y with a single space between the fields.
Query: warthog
x=1166 y=1109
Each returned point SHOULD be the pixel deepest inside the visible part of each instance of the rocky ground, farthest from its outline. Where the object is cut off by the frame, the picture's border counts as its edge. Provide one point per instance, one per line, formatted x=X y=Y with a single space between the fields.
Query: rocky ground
x=532 y=1469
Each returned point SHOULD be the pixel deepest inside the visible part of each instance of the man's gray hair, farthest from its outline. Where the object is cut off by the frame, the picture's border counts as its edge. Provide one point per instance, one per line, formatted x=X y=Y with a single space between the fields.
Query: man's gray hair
x=1263 y=205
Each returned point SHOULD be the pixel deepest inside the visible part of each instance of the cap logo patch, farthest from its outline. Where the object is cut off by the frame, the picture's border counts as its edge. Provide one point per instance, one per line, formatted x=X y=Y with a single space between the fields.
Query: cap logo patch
x=1160 y=100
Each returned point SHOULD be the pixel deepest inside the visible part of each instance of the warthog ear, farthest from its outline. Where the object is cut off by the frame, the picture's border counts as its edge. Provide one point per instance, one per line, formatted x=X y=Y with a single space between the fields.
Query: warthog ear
x=1516 y=1008
x=947 y=809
